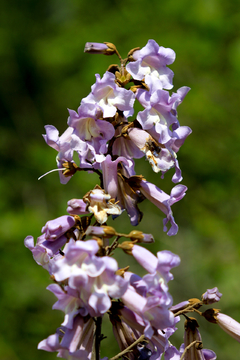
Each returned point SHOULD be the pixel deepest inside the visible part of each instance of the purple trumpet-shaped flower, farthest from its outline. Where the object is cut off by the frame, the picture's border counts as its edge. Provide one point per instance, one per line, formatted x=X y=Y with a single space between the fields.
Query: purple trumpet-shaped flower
x=75 y=343
x=110 y=174
x=130 y=145
x=62 y=144
x=115 y=174
x=69 y=302
x=75 y=254
x=87 y=282
x=159 y=145
x=40 y=253
x=160 y=148
x=108 y=97
x=94 y=277
x=66 y=144
x=128 y=190
x=89 y=128
x=51 y=241
x=152 y=309
x=150 y=62
x=53 y=229
x=169 y=142
x=156 y=282
x=159 y=107
x=159 y=157
x=159 y=267
x=163 y=201
x=45 y=252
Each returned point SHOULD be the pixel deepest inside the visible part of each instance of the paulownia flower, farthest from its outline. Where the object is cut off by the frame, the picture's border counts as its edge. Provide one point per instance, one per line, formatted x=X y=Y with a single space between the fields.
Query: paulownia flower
x=228 y=324
x=150 y=62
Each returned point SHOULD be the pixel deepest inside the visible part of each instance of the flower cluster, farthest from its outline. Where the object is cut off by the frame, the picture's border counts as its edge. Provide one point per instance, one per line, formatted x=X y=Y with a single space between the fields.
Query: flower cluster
x=89 y=284
x=77 y=249
x=107 y=137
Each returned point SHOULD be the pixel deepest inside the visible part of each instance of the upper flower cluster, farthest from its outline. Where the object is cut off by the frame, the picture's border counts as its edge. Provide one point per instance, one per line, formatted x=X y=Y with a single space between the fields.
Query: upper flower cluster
x=107 y=136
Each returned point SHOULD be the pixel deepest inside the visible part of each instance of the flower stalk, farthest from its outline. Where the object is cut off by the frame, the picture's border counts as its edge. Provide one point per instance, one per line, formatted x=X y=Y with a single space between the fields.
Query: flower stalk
x=97 y=339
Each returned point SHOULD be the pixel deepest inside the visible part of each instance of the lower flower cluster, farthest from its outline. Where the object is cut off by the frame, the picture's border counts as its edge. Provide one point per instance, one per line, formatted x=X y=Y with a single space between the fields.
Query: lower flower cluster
x=89 y=284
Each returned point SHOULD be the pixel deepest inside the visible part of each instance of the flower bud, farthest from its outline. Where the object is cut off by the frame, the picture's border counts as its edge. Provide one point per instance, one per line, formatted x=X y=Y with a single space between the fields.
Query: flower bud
x=103 y=231
x=195 y=303
x=109 y=231
x=229 y=325
x=180 y=306
x=211 y=296
x=99 y=48
x=126 y=246
x=136 y=235
x=141 y=237
x=76 y=207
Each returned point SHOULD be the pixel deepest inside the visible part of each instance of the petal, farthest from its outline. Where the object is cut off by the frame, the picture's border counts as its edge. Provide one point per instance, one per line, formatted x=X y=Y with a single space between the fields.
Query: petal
x=145 y=258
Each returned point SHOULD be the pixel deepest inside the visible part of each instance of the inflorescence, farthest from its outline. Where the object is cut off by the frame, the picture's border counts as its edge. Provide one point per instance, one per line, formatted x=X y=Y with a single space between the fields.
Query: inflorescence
x=78 y=249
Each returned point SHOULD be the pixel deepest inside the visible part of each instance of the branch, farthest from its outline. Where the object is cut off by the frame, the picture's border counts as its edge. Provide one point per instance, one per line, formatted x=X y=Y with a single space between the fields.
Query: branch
x=113 y=246
x=97 y=339
x=190 y=308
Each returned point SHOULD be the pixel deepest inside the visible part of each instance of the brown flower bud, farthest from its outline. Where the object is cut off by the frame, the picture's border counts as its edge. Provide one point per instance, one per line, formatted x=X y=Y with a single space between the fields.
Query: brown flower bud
x=126 y=246
x=109 y=231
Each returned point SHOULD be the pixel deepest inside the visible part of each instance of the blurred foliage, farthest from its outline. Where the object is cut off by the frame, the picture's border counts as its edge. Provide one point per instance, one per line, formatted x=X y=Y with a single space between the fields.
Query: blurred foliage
x=43 y=71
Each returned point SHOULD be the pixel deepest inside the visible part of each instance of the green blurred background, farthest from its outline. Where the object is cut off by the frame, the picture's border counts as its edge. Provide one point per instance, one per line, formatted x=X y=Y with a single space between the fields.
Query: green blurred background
x=43 y=72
